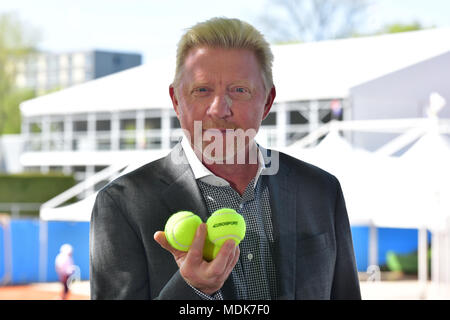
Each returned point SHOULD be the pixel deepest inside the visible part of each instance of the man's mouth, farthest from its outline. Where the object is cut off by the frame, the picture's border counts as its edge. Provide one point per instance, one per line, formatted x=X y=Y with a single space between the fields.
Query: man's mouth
x=221 y=130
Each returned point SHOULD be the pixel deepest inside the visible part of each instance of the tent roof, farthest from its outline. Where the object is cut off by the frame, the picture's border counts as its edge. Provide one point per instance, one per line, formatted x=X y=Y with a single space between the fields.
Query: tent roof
x=328 y=69
x=431 y=149
x=319 y=70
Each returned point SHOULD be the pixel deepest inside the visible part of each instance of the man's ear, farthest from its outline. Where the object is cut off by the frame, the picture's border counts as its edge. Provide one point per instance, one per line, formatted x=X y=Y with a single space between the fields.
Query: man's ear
x=269 y=101
x=173 y=97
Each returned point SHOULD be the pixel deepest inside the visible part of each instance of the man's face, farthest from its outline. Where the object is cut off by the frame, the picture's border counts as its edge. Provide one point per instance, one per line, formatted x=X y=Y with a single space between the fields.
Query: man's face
x=222 y=89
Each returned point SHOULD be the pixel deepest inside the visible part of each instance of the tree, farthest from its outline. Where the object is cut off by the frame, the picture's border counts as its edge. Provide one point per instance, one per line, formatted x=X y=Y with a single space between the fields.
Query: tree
x=10 y=117
x=394 y=28
x=401 y=27
x=17 y=41
x=312 y=20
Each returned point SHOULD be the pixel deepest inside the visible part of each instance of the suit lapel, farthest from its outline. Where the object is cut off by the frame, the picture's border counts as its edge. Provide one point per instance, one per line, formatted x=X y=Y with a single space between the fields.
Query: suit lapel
x=283 y=206
x=182 y=192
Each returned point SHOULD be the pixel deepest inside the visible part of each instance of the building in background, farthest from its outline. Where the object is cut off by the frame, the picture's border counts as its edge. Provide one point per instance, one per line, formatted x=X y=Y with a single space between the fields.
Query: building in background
x=46 y=71
x=86 y=128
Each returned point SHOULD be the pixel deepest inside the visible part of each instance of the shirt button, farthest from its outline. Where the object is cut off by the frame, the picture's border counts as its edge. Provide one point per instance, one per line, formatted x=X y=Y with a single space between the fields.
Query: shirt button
x=250 y=256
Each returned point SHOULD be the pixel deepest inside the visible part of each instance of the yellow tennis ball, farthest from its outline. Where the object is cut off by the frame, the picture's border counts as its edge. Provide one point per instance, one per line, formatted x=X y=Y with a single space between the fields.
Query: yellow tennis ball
x=222 y=225
x=180 y=229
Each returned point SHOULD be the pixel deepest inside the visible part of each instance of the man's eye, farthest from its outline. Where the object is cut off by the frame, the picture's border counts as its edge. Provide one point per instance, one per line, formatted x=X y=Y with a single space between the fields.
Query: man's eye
x=240 y=93
x=200 y=91
x=240 y=90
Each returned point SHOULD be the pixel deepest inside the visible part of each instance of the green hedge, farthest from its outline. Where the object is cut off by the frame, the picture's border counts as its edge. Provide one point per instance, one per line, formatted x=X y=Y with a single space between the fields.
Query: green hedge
x=33 y=187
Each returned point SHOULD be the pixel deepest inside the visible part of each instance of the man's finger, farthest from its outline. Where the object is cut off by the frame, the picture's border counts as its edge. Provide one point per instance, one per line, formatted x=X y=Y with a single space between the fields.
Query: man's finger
x=231 y=259
x=220 y=262
x=232 y=262
x=160 y=237
x=196 y=249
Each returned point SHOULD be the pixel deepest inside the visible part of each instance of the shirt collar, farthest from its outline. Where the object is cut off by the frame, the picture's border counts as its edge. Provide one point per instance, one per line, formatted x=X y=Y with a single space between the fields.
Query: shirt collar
x=204 y=174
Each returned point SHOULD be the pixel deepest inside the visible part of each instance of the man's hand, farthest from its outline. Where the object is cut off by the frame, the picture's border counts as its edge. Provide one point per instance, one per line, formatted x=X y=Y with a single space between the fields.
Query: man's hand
x=205 y=276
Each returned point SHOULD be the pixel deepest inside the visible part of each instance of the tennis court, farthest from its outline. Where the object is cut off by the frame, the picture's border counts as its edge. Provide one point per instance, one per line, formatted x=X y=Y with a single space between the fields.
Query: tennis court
x=44 y=291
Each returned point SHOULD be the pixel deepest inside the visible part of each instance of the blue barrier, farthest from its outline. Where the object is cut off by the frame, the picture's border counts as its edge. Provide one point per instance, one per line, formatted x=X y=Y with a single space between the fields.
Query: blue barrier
x=2 y=253
x=26 y=247
x=400 y=241
x=25 y=250
x=360 y=235
x=389 y=239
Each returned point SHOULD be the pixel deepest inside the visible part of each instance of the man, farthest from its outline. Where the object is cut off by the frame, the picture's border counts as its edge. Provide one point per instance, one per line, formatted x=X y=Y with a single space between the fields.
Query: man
x=298 y=243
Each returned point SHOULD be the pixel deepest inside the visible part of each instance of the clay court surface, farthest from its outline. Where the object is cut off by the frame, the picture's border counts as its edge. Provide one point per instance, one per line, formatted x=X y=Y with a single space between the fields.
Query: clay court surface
x=384 y=290
x=44 y=291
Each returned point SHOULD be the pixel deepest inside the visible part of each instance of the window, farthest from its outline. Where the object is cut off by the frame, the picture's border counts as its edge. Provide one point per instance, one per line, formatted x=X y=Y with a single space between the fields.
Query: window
x=35 y=127
x=297 y=118
x=174 y=123
x=80 y=126
x=99 y=168
x=270 y=120
x=103 y=125
x=127 y=124
x=152 y=123
x=57 y=126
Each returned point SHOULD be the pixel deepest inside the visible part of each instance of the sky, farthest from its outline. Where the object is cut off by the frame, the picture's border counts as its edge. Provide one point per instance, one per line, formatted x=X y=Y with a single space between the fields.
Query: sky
x=153 y=27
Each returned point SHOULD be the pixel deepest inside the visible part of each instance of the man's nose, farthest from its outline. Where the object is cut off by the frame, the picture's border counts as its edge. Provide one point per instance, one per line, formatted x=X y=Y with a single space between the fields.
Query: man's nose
x=220 y=107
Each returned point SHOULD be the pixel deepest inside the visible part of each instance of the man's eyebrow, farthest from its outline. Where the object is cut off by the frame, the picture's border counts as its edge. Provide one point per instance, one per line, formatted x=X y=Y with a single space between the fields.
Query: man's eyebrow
x=200 y=83
x=244 y=83
x=241 y=82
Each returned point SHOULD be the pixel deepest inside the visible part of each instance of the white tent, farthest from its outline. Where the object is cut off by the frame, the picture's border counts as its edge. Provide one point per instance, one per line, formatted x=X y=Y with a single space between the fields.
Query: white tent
x=387 y=191
x=354 y=169
x=412 y=191
x=428 y=186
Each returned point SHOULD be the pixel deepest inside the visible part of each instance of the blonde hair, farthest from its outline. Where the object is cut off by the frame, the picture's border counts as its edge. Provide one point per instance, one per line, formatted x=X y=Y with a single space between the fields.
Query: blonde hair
x=228 y=34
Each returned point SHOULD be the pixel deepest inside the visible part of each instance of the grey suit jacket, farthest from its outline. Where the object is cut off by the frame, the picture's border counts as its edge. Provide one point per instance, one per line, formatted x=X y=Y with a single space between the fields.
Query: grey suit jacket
x=313 y=252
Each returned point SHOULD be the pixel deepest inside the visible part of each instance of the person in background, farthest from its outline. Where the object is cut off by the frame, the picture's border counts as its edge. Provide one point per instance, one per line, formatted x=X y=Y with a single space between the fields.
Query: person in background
x=64 y=267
